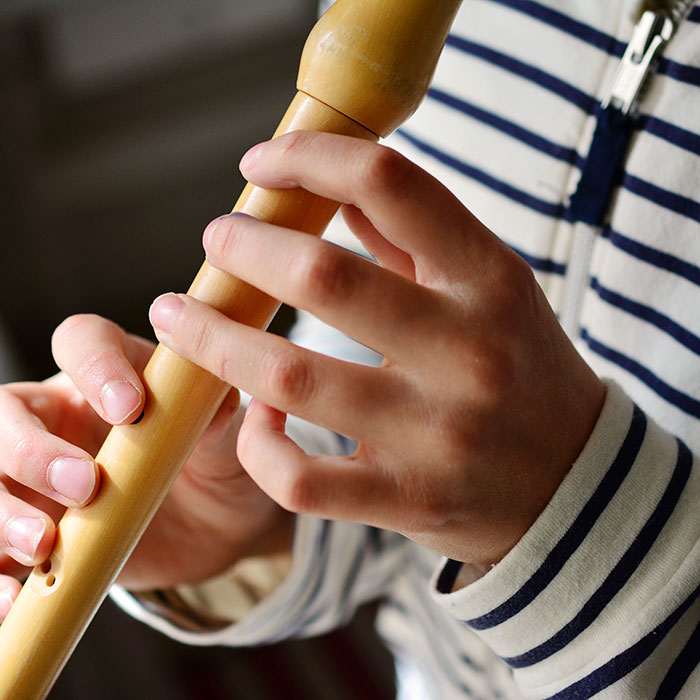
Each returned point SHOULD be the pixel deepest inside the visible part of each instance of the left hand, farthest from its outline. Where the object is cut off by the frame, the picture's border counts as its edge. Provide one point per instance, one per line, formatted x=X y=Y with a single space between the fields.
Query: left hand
x=481 y=404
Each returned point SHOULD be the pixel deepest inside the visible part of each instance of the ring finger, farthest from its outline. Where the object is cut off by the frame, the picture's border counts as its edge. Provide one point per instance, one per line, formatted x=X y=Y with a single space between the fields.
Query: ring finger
x=342 y=396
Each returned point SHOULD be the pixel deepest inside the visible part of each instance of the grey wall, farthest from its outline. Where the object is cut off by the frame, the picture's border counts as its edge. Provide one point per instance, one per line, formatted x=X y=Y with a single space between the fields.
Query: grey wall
x=121 y=126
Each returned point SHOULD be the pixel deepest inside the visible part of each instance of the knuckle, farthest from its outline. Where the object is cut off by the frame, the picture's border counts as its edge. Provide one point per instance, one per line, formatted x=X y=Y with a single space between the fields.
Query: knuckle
x=324 y=274
x=21 y=449
x=296 y=490
x=514 y=282
x=292 y=142
x=495 y=370
x=199 y=340
x=492 y=375
x=289 y=379
x=430 y=506
x=384 y=171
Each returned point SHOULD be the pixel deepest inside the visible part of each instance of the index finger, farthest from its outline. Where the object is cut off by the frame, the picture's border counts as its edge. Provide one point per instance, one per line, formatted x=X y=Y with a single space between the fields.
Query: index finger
x=412 y=209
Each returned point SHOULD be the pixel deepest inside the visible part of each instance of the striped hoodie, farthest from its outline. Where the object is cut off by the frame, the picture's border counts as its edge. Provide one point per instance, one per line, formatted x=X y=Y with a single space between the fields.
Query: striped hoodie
x=600 y=597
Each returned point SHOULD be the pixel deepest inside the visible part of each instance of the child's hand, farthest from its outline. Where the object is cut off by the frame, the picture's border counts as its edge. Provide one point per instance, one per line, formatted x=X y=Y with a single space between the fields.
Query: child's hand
x=481 y=404
x=49 y=432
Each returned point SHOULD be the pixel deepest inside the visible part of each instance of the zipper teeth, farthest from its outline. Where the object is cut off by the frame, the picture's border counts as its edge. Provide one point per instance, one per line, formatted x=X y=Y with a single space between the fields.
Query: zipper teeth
x=679 y=11
x=577 y=278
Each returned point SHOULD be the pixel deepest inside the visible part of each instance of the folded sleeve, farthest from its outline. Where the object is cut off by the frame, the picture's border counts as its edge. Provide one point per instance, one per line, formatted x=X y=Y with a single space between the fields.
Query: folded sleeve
x=334 y=567
x=601 y=594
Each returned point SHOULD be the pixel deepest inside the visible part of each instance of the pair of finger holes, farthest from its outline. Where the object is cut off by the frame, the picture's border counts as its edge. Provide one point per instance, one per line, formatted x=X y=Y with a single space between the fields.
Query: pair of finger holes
x=45 y=568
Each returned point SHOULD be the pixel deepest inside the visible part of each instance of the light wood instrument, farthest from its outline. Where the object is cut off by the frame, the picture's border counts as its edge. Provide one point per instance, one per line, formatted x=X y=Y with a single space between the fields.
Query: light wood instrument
x=365 y=68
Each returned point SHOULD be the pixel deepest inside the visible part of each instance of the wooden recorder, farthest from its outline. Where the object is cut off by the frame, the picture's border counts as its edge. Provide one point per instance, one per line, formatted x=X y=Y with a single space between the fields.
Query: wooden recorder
x=365 y=68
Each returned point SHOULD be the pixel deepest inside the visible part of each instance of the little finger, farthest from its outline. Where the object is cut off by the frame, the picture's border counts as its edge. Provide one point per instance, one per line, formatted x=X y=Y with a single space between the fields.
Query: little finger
x=340 y=488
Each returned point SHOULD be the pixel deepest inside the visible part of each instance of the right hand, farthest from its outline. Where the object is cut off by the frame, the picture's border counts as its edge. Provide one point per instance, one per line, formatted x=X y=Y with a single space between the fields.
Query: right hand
x=49 y=433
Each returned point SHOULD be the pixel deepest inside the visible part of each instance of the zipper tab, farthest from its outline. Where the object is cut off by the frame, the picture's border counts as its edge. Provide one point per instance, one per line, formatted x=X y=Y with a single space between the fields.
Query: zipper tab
x=651 y=32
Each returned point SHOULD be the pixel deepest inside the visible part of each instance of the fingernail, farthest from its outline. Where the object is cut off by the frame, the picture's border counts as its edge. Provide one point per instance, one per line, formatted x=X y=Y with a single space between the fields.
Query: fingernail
x=250 y=158
x=119 y=400
x=219 y=229
x=24 y=534
x=208 y=234
x=72 y=478
x=164 y=310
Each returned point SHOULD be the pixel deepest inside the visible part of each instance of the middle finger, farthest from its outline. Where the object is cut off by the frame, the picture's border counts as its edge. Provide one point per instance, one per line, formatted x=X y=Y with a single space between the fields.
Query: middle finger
x=345 y=290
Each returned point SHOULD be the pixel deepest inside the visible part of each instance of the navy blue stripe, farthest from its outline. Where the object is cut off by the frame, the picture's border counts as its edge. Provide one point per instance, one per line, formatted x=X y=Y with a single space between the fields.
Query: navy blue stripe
x=448 y=576
x=686 y=403
x=686 y=662
x=658 y=258
x=568 y=155
x=621 y=572
x=679 y=71
x=694 y=15
x=567 y=24
x=578 y=531
x=647 y=313
x=552 y=209
x=540 y=264
x=670 y=200
x=669 y=132
x=315 y=580
x=545 y=80
x=627 y=661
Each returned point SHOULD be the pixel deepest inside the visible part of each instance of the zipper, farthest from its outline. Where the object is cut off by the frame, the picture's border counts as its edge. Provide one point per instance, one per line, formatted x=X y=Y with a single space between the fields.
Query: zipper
x=651 y=32
x=590 y=202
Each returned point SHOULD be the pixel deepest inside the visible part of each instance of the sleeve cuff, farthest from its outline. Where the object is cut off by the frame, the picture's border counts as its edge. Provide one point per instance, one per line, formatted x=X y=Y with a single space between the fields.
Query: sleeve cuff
x=238 y=607
x=616 y=529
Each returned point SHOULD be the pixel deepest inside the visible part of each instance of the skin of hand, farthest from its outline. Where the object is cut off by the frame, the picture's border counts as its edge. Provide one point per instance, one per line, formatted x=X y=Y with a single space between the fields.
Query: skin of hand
x=481 y=404
x=49 y=432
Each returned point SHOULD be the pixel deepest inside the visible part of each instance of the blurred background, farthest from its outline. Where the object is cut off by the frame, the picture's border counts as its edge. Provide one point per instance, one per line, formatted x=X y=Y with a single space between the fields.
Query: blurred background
x=121 y=126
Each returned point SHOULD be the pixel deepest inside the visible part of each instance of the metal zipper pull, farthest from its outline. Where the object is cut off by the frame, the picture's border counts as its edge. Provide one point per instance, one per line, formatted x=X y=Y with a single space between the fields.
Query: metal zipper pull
x=651 y=32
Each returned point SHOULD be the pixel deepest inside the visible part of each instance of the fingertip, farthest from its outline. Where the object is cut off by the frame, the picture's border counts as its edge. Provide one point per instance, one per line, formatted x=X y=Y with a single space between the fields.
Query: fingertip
x=217 y=431
x=211 y=228
x=9 y=590
x=264 y=416
x=164 y=312
x=29 y=539
x=259 y=424
x=75 y=481
x=250 y=158
x=120 y=401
